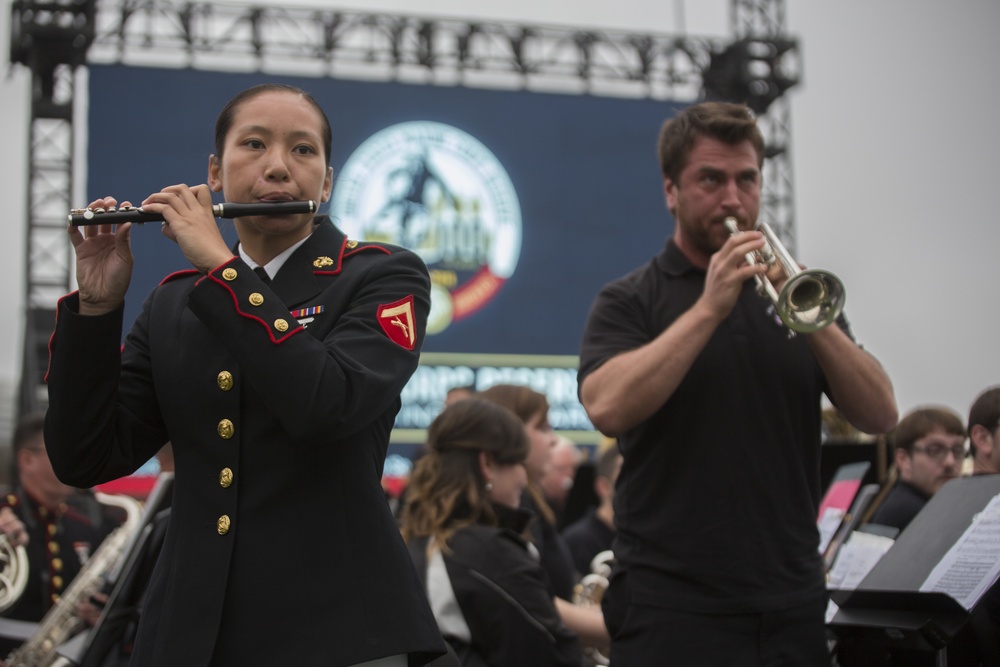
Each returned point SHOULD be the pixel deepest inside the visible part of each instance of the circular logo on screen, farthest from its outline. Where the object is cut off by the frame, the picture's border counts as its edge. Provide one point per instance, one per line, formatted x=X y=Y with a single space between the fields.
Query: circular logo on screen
x=440 y=192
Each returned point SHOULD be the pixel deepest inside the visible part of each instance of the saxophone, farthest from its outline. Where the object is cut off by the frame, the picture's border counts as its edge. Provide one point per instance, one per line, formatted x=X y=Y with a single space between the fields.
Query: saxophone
x=589 y=592
x=61 y=622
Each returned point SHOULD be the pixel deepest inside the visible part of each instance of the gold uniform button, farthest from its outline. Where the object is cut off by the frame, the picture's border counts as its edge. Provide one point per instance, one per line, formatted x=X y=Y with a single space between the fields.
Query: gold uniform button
x=57 y=564
x=52 y=530
x=256 y=299
x=226 y=478
x=54 y=548
x=226 y=429
x=225 y=380
x=229 y=274
x=222 y=525
x=55 y=598
x=281 y=325
x=57 y=582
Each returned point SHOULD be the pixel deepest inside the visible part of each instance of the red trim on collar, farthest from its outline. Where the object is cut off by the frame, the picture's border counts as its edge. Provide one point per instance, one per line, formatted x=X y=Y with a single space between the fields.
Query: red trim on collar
x=267 y=327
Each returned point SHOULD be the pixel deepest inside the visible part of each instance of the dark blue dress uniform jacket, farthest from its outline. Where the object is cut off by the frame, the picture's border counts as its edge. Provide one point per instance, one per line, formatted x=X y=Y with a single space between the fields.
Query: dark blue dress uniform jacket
x=281 y=549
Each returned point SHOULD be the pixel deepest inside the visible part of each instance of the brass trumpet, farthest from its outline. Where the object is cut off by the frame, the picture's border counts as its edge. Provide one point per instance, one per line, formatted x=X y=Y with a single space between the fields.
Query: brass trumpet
x=810 y=299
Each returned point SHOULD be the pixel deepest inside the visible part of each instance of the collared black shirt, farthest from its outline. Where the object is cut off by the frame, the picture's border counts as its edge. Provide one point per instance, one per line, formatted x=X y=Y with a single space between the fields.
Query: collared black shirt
x=717 y=498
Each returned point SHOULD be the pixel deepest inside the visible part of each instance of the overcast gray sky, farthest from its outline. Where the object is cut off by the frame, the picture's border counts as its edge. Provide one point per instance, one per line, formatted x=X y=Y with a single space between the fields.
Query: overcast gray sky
x=895 y=150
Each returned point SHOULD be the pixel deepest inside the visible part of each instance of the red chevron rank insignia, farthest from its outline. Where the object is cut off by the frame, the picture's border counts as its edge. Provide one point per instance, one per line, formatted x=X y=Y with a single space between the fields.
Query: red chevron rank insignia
x=397 y=321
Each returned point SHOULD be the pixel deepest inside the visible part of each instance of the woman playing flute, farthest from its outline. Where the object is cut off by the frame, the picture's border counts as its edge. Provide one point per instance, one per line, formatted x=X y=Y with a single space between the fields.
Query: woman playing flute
x=275 y=369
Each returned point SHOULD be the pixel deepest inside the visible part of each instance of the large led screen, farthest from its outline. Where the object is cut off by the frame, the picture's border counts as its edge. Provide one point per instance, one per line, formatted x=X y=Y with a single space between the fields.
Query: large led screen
x=521 y=203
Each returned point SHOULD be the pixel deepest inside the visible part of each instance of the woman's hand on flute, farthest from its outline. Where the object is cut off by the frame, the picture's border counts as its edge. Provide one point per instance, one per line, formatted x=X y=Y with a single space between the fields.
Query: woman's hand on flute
x=189 y=222
x=103 y=263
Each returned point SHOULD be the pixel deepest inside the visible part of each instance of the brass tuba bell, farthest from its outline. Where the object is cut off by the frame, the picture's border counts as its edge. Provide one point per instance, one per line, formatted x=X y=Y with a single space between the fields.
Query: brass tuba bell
x=809 y=300
x=13 y=572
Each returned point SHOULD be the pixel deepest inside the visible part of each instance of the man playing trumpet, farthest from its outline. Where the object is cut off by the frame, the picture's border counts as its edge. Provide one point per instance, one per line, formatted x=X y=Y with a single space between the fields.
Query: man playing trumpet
x=717 y=413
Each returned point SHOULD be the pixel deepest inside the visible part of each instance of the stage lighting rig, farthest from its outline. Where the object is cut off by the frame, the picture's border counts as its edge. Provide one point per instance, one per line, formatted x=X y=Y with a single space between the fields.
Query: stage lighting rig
x=45 y=34
x=755 y=71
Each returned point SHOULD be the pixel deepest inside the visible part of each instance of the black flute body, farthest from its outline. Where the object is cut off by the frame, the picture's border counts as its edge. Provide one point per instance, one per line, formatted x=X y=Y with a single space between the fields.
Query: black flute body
x=84 y=216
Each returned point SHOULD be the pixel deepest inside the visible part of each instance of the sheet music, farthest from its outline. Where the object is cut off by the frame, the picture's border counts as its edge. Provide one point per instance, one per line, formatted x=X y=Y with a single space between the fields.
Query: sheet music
x=828 y=525
x=854 y=561
x=973 y=563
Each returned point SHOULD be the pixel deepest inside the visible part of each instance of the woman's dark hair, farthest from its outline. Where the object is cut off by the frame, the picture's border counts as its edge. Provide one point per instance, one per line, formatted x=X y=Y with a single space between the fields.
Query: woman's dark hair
x=447 y=490
x=527 y=404
x=225 y=120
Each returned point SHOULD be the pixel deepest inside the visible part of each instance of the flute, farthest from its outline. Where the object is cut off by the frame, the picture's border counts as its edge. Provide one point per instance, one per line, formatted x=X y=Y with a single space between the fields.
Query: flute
x=85 y=216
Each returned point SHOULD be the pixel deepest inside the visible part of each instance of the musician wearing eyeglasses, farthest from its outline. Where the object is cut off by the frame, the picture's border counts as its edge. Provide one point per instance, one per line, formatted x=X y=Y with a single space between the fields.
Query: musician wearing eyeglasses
x=717 y=411
x=929 y=450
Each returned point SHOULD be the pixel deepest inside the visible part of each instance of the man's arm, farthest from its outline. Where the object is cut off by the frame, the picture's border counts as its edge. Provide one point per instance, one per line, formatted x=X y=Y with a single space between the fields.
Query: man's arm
x=629 y=387
x=859 y=387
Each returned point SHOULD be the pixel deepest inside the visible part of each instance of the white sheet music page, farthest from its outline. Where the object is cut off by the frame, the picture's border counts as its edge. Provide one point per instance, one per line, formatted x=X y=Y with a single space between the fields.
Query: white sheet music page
x=854 y=561
x=973 y=563
x=828 y=525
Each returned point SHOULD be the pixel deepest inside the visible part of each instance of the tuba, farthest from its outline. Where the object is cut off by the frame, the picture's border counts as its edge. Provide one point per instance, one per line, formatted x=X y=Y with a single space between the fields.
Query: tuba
x=810 y=299
x=61 y=622
x=13 y=572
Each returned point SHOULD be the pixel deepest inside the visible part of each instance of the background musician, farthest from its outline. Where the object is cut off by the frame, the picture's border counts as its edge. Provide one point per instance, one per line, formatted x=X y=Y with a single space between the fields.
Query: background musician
x=64 y=527
x=533 y=409
x=717 y=412
x=929 y=449
x=467 y=535
x=984 y=432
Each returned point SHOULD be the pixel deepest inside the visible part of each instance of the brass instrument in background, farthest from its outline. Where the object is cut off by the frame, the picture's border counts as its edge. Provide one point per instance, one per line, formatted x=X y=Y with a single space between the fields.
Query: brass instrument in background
x=61 y=622
x=13 y=572
x=590 y=591
x=810 y=299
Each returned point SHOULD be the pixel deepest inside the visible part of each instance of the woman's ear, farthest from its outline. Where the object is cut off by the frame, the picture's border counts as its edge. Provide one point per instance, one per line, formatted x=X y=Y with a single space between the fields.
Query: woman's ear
x=214 y=173
x=327 y=184
x=486 y=465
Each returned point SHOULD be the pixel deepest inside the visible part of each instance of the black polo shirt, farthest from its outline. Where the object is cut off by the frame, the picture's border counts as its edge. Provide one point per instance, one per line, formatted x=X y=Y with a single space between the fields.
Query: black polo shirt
x=718 y=493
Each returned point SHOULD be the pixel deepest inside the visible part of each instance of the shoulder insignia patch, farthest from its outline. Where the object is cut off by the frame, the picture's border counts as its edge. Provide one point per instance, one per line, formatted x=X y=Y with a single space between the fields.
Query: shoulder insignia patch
x=398 y=322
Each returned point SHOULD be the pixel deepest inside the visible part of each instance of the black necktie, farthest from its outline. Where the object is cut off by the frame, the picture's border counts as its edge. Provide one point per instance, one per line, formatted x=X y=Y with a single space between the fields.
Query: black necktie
x=263 y=274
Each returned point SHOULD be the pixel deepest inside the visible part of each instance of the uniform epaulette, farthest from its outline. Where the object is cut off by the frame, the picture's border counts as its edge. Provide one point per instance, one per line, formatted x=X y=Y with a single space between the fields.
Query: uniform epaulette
x=352 y=247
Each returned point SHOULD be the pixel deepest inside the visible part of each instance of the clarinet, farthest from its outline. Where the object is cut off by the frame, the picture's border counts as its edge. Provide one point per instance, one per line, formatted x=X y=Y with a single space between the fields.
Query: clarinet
x=85 y=216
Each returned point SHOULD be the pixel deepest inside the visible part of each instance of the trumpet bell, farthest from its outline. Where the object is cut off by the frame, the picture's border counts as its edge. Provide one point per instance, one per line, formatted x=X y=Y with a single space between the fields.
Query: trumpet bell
x=811 y=300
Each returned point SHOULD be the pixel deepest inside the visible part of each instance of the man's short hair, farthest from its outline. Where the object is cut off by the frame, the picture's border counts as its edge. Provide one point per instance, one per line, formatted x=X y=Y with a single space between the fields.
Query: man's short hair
x=985 y=412
x=922 y=421
x=729 y=123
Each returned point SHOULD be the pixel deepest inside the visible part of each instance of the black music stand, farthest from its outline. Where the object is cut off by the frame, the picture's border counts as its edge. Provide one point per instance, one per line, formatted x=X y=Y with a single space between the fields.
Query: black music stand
x=888 y=613
x=97 y=646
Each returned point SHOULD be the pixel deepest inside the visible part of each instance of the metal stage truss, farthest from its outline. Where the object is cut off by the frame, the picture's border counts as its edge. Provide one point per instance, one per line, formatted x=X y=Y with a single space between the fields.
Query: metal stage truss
x=54 y=37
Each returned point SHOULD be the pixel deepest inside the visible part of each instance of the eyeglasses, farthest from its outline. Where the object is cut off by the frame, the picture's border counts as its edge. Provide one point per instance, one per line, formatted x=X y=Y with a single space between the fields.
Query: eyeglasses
x=937 y=451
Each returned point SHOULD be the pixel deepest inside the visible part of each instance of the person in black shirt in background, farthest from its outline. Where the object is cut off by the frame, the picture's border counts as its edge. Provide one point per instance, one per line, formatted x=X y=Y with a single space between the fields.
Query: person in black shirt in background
x=929 y=447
